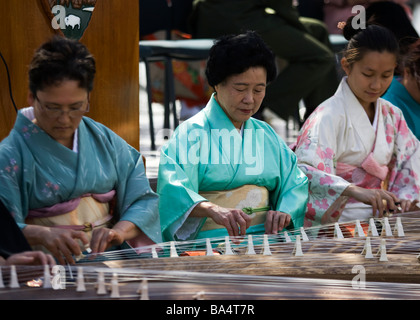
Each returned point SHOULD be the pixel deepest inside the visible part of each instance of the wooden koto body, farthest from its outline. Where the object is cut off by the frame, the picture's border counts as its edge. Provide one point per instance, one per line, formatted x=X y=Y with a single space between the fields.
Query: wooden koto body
x=326 y=268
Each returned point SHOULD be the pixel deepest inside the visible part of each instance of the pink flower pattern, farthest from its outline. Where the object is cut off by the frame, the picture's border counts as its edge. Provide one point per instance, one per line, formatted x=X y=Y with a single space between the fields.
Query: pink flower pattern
x=320 y=166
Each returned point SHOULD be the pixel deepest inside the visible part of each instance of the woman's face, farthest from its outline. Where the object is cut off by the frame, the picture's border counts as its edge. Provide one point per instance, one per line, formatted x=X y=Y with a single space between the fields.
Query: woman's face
x=371 y=76
x=241 y=95
x=59 y=110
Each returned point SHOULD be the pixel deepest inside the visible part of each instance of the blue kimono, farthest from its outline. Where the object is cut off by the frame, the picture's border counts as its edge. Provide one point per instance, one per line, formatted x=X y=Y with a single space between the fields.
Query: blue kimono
x=37 y=172
x=207 y=153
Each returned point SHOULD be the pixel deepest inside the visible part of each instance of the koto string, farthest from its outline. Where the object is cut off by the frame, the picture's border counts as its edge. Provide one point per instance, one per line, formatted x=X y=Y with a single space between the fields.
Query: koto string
x=320 y=247
x=278 y=244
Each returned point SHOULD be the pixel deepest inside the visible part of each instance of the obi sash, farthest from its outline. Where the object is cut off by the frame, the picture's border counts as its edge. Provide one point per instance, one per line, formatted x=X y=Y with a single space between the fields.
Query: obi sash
x=85 y=213
x=370 y=174
x=252 y=199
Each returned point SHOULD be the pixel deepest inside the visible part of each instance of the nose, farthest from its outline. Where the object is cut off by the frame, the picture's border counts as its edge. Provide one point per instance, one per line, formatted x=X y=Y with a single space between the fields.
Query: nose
x=64 y=116
x=248 y=97
x=375 y=84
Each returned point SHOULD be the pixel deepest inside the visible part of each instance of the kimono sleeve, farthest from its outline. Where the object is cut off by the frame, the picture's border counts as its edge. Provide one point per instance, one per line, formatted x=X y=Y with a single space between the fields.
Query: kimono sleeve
x=178 y=186
x=12 y=179
x=291 y=194
x=137 y=202
x=404 y=177
x=316 y=151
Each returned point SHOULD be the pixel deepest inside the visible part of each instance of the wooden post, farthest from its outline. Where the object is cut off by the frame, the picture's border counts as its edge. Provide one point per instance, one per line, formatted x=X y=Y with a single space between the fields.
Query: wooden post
x=112 y=36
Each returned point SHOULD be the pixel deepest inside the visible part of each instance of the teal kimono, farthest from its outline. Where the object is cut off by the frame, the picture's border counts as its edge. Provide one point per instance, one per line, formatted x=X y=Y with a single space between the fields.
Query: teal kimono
x=38 y=172
x=398 y=95
x=207 y=153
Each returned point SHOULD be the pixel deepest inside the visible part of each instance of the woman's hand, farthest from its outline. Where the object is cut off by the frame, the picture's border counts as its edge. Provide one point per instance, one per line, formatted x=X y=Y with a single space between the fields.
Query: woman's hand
x=103 y=238
x=235 y=221
x=408 y=206
x=380 y=200
x=276 y=221
x=62 y=243
x=30 y=258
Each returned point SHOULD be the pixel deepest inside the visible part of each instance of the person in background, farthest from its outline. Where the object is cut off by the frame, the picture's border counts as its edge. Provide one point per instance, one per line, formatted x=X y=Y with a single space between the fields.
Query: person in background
x=311 y=9
x=14 y=249
x=302 y=46
x=360 y=157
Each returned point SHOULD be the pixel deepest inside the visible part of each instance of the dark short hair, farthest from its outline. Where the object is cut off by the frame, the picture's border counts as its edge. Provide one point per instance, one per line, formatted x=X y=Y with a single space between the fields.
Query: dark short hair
x=61 y=59
x=234 y=54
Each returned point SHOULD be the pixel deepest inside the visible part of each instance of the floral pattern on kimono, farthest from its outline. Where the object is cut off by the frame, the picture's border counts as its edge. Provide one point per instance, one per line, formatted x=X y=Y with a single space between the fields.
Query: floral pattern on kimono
x=332 y=140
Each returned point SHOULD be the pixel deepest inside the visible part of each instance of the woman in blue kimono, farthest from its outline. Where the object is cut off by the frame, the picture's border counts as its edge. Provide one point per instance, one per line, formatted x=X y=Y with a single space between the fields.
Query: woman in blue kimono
x=223 y=172
x=69 y=182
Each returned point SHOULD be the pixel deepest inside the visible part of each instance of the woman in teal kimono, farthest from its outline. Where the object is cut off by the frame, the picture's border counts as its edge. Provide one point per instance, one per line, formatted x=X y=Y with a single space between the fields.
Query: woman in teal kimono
x=70 y=182
x=221 y=150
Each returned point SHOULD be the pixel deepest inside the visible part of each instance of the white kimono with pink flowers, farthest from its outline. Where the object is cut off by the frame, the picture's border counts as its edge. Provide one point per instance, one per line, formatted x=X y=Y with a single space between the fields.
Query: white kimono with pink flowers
x=339 y=146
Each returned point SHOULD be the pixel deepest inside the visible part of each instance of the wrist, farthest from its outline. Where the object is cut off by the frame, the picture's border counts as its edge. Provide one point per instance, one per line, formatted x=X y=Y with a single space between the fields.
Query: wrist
x=34 y=234
x=126 y=229
x=349 y=191
x=203 y=210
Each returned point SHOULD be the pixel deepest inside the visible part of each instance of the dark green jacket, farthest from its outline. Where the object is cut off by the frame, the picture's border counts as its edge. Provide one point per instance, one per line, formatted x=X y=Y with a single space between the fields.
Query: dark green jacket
x=213 y=18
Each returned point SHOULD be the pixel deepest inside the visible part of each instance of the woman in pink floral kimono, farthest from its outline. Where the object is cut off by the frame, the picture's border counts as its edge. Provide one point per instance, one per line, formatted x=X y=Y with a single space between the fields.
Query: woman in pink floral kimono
x=356 y=149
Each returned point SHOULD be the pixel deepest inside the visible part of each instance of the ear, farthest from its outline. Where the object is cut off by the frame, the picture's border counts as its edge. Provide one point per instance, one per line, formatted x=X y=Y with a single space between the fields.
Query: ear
x=345 y=65
x=30 y=98
x=216 y=88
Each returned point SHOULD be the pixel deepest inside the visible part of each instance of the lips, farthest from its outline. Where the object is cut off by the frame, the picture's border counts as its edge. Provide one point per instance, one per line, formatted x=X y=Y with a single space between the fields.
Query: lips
x=373 y=94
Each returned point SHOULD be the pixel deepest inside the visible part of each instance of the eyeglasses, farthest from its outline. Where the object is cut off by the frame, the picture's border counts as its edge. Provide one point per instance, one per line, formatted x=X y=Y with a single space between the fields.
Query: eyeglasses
x=57 y=112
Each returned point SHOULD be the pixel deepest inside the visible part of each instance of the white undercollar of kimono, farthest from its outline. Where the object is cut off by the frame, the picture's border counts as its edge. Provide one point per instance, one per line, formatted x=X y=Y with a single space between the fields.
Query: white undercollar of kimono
x=29 y=113
x=241 y=130
x=375 y=118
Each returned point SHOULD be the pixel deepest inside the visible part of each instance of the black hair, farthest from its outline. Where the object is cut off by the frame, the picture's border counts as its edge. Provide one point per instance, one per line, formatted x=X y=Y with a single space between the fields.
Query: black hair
x=371 y=38
x=394 y=17
x=234 y=54
x=61 y=59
